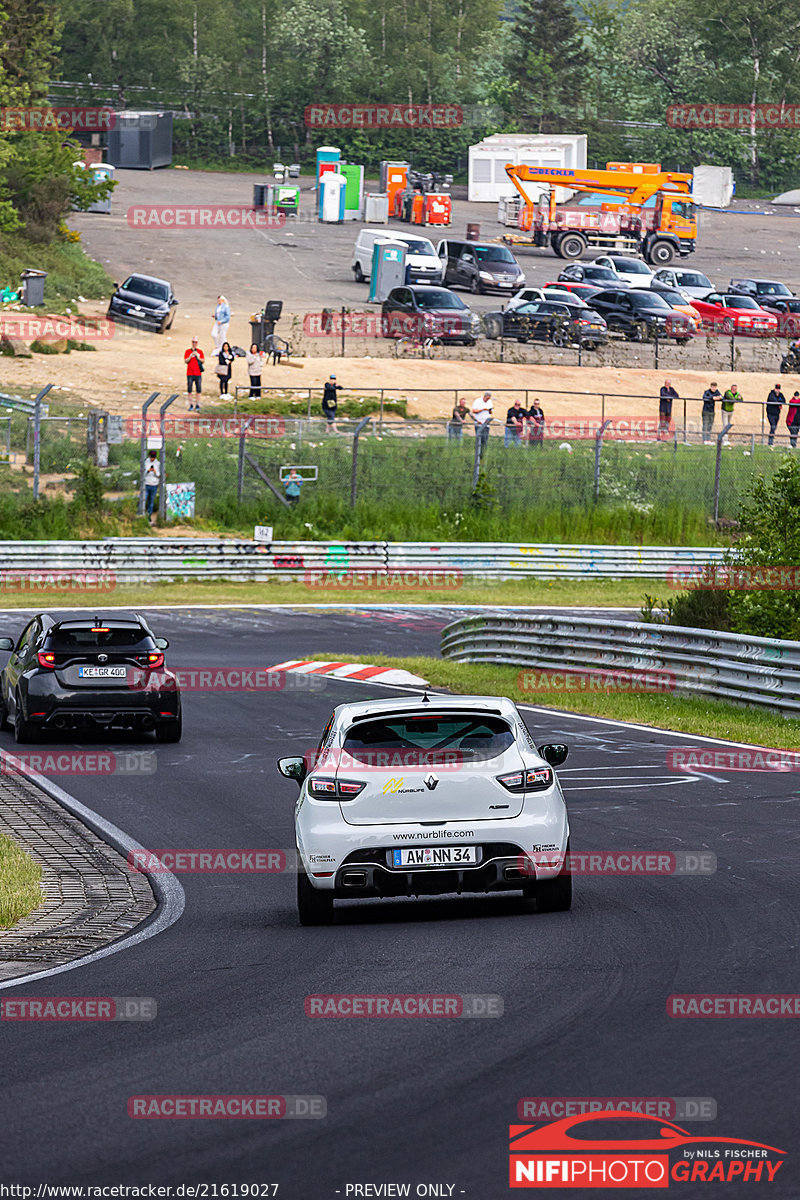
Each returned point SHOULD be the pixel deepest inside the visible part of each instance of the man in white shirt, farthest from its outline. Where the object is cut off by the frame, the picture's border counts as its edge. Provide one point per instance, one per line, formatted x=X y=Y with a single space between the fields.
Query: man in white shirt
x=152 y=478
x=482 y=416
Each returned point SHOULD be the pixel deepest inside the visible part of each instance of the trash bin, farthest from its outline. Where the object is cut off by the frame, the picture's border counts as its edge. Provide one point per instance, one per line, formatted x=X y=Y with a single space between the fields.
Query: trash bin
x=33 y=287
x=257 y=331
x=473 y=233
x=260 y=195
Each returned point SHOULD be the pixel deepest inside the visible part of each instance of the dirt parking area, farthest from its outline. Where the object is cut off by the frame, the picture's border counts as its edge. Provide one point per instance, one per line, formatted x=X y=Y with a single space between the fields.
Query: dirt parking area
x=307 y=265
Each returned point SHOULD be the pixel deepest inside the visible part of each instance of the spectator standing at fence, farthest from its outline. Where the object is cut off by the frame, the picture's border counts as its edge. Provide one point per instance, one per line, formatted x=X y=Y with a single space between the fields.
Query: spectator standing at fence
x=223 y=368
x=666 y=397
x=194 y=359
x=292 y=485
x=152 y=478
x=222 y=319
x=482 y=416
x=793 y=418
x=774 y=401
x=732 y=397
x=455 y=426
x=255 y=365
x=710 y=397
x=330 y=402
x=515 y=423
x=536 y=425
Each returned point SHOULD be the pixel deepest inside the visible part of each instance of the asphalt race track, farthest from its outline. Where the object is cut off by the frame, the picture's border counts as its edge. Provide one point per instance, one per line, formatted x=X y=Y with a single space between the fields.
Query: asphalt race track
x=408 y=1101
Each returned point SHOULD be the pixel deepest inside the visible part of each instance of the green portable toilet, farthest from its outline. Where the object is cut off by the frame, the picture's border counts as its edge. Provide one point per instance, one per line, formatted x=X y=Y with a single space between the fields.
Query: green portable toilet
x=353 y=192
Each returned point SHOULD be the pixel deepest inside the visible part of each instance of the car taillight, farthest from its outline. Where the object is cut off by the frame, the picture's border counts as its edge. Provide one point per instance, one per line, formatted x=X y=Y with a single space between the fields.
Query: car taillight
x=152 y=661
x=328 y=789
x=46 y=660
x=535 y=780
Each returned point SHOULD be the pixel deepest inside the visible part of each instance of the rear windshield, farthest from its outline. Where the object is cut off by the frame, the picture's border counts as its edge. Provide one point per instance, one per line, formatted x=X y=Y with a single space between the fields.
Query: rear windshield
x=145 y=287
x=88 y=637
x=473 y=735
x=599 y=273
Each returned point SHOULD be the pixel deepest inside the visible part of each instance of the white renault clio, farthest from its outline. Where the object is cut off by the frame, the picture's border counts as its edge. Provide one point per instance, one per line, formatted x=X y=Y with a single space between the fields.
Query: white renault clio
x=431 y=796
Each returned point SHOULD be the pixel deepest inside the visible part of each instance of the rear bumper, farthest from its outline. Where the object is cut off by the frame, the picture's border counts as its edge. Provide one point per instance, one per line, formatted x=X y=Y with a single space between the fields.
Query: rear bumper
x=495 y=873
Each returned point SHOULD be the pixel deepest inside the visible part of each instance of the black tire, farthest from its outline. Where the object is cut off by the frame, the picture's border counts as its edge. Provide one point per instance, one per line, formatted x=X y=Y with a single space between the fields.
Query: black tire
x=571 y=246
x=786 y=369
x=314 y=907
x=24 y=733
x=638 y=333
x=555 y=895
x=661 y=253
x=169 y=734
x=475 y=286
x=555 y=243
x=493 y=327
x=359 y=274
x=4 y=721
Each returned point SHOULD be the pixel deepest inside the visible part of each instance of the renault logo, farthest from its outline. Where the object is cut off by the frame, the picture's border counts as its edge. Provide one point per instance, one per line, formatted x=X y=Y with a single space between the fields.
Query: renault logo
x=431 y=781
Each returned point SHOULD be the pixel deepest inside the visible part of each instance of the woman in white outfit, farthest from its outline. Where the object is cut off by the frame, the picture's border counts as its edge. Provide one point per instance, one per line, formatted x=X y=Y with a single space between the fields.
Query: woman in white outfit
x=222 y=319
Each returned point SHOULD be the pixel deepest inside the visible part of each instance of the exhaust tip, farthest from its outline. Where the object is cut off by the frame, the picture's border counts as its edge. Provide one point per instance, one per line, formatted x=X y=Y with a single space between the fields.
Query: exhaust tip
x=354 y=879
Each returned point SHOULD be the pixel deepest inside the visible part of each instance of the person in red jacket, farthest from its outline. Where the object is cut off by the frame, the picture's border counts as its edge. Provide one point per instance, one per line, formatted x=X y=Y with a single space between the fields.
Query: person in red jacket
x=793 y=418
x=194 y=359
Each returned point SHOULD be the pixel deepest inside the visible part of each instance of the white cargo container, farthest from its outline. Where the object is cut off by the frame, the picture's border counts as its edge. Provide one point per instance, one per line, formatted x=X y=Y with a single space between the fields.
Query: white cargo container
x=487 y=162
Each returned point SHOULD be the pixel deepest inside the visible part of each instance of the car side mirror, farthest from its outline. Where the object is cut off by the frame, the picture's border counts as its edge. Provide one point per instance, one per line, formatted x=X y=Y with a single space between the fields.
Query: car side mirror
x=555 y=753
x=162 y=643
x=6 y=643
x=293 y=767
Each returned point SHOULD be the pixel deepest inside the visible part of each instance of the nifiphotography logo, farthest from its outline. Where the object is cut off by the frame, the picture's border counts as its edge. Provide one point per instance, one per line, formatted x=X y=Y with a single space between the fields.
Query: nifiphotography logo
x=623 y=1149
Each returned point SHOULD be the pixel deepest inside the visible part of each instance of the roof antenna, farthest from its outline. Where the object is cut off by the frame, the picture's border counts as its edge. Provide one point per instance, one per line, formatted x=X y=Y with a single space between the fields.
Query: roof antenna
x=425 y=699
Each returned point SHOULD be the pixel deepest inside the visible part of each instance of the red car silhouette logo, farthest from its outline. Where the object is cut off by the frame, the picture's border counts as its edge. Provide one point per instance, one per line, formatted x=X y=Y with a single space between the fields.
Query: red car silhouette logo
x=665 y=1135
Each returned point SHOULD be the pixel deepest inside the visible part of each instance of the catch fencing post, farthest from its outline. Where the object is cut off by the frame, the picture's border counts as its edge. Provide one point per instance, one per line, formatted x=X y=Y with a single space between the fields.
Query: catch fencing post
x=309 y=404
x=143 y=449
x=655 y=345
x=685 y=438
x=344 y=315
x=380 y=422
x=717 y=470
x=763 y=411
x=353 y=475
x=598 y=448
x=162 y=491
x=242 y=441
x=37 y=417
x=733 y=352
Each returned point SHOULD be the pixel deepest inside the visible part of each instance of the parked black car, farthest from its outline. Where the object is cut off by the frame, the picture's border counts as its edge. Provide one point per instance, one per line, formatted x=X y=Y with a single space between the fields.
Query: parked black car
x=550 y=321
x=640 y=314
x=760 y=289
x=144 y=300
x=589 y=273
x=480 y=266
x=423 y=312
x=67 y=671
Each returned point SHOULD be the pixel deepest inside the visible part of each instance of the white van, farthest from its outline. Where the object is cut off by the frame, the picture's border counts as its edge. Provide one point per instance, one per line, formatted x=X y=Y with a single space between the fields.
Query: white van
x=422 y=262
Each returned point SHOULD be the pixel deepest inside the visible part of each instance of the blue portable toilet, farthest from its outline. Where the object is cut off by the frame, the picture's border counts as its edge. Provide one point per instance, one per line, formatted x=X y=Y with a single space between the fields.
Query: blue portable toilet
x=328 y=159
x=332 y=188
x=388 y=268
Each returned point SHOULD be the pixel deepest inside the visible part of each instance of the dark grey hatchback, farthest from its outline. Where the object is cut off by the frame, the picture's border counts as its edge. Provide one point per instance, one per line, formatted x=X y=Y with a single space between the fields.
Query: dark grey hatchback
x=144 y=300
x=70 y=672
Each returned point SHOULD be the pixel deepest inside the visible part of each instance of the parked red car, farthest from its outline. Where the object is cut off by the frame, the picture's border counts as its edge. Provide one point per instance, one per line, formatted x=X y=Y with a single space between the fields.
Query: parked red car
x=736 y=314
x=787 y=312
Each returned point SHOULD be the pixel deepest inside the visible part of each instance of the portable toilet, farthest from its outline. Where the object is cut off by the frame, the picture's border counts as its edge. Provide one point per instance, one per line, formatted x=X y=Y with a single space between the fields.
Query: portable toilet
x=376 y=208
x=98 y=172
x=354 y=191
x=328 y=158
x=388 y=268
x=396 y=181
x=283 y=197
x=332 y=187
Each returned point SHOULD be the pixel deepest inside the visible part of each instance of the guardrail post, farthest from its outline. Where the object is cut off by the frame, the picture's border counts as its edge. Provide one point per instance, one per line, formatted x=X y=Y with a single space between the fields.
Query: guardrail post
x=718 y=468
x=143 y=449
x=242 y=447
x=353 y=474
x=37 y=418
x=162 y=491
x=598 y=448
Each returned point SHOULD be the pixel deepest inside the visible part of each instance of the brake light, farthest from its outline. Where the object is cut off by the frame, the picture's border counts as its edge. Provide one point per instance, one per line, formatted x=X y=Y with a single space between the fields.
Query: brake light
x=322 y=787
x=154 y=661
x=328 y=789
x=100 y=629
x=350 y=787
x=535 y=780
x=46 y=660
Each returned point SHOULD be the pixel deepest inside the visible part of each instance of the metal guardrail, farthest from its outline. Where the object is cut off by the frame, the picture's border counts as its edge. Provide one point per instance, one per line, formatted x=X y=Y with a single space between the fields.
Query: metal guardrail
x=725 y=666
x=163 y=559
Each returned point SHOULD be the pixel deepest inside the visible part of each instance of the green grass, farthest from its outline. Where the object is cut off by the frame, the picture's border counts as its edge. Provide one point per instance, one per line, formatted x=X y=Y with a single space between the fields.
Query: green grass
x=599 y=593
x=20 y=883
x=70 y=272
x=707 y=718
